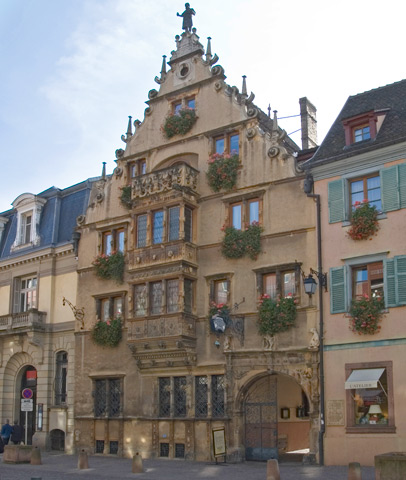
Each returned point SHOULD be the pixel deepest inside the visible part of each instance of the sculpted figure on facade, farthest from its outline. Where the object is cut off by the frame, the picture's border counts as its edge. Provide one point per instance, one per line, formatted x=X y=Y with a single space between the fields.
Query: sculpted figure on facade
x=187 y=18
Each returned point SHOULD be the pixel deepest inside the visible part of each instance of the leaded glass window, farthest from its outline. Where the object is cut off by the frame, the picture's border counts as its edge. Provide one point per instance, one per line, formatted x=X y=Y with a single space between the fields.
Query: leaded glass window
x=173 y=223
x=172 y=293
x=140 y=300
x=164 y=397
x=114 y=397
x=142 y=231
x=217 y=395
x=201 y=388
x=156 y=298
x=158 y=227
x=100 y=398
x=188 y=285
x=188 y=224
x=180 y=396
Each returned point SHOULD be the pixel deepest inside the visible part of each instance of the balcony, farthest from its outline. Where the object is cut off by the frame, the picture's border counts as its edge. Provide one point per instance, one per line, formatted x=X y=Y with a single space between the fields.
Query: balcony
x=162 y=342
x=177 y=177
x=25 y=321
x=158 y=254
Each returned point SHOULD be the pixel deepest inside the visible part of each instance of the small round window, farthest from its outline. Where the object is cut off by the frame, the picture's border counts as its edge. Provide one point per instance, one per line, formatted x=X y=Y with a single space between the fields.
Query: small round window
x=184 y=70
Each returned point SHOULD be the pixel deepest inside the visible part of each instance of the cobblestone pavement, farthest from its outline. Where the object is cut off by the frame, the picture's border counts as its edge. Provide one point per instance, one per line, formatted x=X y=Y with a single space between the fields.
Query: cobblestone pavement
x=64 y=467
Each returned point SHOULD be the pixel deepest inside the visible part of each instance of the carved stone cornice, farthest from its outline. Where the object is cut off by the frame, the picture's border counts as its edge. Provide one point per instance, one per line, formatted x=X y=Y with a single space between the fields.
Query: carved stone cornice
x=168 y=254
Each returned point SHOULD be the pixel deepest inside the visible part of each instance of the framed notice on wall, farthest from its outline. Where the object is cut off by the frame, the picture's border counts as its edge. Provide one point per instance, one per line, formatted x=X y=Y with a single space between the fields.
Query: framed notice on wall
x=219 y=442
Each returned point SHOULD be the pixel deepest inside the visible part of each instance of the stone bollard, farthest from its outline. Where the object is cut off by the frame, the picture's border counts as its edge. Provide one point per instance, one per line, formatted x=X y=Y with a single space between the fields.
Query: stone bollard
x=354 y=471
x=36 y=456
x=272 y=470
x=83 y=463
x=137 y=464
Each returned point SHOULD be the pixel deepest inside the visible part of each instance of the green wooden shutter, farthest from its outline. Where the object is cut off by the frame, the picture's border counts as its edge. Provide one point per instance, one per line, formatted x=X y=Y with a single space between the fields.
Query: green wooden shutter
x=336 y=201
x=338 y=290
x=400 y=263
x=390 y=188
x=389 y=282
x=402 y=184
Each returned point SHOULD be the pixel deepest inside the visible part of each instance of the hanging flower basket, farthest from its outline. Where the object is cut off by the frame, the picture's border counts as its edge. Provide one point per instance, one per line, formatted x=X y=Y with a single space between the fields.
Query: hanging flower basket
x=179 y=123
x=276 y=316
x=221 y=310
x=107 y=334
x=364 y=221
x=238 y=243
x=365 y=314
x=110 y=266
x=222 y=171
x=125 y=196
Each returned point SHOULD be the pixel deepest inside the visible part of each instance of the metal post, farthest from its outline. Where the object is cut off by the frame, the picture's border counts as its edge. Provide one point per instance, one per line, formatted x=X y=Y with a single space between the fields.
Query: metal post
x=26 y=427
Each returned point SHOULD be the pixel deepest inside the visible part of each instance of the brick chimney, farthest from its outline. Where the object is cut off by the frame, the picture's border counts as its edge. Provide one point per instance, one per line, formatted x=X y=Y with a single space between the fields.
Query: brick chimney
x=309 y=123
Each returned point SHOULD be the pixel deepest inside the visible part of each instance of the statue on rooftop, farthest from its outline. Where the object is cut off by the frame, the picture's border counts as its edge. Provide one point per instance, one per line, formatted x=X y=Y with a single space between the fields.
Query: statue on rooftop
x=187 y=18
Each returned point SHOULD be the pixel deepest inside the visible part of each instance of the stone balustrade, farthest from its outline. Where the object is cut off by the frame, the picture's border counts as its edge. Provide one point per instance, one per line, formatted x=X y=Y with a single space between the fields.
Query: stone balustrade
x=24 y=320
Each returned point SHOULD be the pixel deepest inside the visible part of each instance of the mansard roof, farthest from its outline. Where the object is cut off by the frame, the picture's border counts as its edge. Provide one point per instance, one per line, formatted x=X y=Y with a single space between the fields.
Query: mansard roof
x=389 y=101
x=60 y=208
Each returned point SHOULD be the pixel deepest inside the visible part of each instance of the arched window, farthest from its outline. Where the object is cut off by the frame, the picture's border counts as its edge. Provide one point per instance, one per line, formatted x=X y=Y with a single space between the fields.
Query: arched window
x=61 y=373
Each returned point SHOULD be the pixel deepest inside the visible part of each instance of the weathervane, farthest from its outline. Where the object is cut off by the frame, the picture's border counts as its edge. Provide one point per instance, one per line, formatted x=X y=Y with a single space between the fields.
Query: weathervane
x=187 y=18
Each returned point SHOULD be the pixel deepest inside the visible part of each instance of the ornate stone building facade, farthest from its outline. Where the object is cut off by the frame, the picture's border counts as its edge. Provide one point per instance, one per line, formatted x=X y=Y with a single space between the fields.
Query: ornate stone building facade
x=204 y=214
x=38 y=252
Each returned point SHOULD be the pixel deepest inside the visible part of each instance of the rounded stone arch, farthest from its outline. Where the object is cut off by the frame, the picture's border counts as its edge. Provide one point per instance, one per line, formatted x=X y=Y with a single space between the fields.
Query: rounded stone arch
x=12 y=375
x=190 y=158
x=245 y=388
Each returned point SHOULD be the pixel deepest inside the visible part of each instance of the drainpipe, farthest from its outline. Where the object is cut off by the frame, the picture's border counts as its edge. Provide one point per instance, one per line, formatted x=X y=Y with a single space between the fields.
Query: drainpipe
x=309 y=183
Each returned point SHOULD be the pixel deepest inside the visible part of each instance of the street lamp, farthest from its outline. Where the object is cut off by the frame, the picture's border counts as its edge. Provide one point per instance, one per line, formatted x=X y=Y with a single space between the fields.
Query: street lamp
x=310 y=284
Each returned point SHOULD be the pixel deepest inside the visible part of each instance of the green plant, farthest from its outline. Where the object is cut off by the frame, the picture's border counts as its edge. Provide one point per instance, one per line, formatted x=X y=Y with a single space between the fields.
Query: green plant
x=366 y=313
x=221 y=309
x=179 y=123
x=237 y=243
x=110 y=266
x=222 y=171
x=364 y=221
x=276 y=316
x=125 y=196
x=107 y=334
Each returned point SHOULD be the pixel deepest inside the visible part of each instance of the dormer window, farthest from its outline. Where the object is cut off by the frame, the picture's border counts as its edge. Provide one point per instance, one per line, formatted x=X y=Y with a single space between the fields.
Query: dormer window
x=363 y=127
x=29 y=208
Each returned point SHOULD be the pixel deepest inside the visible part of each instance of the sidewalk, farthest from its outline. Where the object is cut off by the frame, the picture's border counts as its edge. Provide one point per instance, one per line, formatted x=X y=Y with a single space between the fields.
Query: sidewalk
x=64 y=467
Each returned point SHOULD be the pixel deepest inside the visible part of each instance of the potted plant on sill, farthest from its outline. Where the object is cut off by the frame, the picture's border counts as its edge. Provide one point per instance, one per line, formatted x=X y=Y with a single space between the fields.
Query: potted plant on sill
x=179 y=123
x=238 y=243
x=366 y=313
x=364 y=221
x=109 y=333
x=110 y=266
x=276 y=315
x=222 y=171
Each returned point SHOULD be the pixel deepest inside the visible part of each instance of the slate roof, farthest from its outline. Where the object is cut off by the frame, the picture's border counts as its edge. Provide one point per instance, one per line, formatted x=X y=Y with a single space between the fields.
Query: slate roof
x=393 y=129
x=58 y=219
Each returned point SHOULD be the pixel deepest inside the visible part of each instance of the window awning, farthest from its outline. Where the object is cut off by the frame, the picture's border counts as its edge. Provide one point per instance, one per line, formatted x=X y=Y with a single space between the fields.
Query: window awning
x=365 y=378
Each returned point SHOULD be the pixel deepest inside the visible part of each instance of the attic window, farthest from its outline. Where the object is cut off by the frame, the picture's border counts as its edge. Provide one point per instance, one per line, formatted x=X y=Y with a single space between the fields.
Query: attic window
x=362 y=127
x=29 y=208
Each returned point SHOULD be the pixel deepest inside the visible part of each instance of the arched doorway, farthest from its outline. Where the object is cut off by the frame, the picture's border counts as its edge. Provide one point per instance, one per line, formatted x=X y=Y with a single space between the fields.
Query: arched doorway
x=27 y=381
x=277 y=422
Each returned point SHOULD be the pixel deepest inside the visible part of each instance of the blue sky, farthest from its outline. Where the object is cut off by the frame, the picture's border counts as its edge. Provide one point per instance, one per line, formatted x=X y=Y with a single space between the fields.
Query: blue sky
x=73 y=70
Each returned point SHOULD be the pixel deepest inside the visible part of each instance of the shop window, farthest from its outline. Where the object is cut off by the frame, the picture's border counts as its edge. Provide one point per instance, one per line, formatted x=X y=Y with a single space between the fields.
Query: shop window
x=201 y=396
x=217 y=395
x=216 y=391
x=107 y=397
x=25 y=294
x=177 y=385
x=61 y=374
x=227 y=143
x=113 y=241
x=179 y=396
x=369 y=398
x=366 y=188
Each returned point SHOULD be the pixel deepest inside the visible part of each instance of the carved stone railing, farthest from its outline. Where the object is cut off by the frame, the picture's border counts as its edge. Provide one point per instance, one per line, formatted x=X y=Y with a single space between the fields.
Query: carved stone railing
x=179 y=325
x=175 y=177
x=158 y=254
x=24 y=320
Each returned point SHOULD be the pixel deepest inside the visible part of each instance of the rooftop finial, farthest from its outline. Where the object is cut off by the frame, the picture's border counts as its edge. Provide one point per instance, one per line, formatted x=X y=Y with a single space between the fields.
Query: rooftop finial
x=124 y=138
x=275 y=120
x=269 y=110
x=163 y=69
x=187 y=18
x=104 y=170
x=208 y=49
x=244 y=86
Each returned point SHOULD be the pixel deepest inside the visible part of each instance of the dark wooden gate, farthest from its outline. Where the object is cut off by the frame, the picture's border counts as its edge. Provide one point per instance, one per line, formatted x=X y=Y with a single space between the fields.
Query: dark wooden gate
x=261 y=420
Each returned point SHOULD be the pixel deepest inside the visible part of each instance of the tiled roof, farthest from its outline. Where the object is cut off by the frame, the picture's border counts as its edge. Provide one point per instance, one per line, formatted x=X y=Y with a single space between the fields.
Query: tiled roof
x=393 y=129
